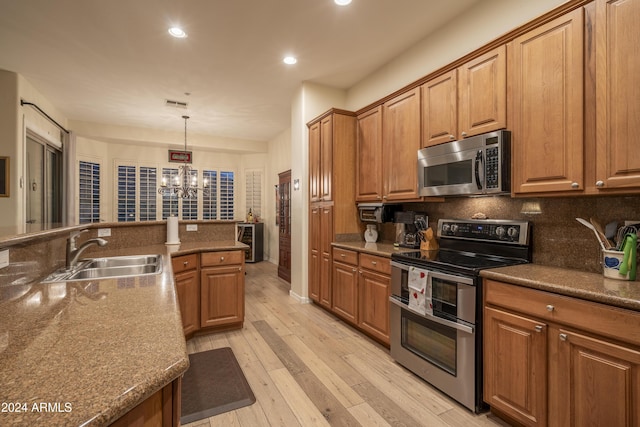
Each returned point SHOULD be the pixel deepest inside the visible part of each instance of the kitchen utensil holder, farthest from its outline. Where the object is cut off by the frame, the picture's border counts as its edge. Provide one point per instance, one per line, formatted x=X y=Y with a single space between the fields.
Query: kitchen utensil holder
x=611 y=261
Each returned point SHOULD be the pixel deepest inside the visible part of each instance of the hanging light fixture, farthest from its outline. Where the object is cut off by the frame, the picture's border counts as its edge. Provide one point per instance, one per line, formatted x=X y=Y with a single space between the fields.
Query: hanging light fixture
x=185 y=183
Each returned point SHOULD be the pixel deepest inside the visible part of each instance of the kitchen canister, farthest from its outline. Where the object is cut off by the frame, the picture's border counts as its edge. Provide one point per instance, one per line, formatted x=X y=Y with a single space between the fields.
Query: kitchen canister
x=611 y=262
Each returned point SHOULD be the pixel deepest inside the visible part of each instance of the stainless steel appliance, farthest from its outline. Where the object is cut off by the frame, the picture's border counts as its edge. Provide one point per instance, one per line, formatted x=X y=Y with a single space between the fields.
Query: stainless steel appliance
x=476 y=165
x=407 y=235
x=377 y=212
x=443 y=344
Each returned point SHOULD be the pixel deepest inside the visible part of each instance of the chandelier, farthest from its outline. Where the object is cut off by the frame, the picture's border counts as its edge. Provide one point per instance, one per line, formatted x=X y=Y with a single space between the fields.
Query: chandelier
x=185 y=183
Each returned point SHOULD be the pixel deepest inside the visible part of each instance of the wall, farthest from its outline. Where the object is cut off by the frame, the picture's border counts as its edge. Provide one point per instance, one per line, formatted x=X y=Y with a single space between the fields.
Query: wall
x=279 y=160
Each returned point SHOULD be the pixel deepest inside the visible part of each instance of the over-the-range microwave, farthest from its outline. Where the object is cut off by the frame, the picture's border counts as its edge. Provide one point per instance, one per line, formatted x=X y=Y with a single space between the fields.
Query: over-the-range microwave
x=477 y=165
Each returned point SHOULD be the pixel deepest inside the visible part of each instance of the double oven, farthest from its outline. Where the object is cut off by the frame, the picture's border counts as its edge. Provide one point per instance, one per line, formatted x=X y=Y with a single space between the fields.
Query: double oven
x=441 y=339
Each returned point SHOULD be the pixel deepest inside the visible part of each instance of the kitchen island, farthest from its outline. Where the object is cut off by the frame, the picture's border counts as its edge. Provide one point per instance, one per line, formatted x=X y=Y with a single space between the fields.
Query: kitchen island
x=88 y=352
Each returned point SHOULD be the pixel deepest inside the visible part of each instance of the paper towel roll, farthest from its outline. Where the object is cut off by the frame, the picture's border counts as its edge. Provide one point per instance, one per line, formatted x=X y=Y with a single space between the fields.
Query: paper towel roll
x=172 y=231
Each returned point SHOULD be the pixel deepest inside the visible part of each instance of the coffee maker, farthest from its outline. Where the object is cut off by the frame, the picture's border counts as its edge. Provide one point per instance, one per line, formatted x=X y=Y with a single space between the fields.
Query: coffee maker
x=407 y=234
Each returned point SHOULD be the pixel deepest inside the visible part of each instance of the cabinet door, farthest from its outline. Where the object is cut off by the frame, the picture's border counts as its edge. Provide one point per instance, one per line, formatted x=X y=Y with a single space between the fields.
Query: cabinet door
x=221 y=296
x=345 y=291
x=546 y=109
x=440 y=110
x=618 y=94
x=314 y=163
x=314 y=253
x=326 y=157
x=369 y=164
x=188 y=288
x=373 y=305
x=482 y=94
x=401 y=142
x=599 y=382
x=326 y=237
x=515 y=366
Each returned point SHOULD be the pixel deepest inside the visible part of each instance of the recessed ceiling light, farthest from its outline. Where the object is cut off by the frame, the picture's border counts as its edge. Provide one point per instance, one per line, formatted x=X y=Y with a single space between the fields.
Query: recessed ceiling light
x=342 y=2
x=290 y=60
x=177 y=32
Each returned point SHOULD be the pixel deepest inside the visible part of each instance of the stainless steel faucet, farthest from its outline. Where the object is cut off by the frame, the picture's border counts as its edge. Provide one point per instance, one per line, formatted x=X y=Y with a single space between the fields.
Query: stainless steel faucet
x=73 y=253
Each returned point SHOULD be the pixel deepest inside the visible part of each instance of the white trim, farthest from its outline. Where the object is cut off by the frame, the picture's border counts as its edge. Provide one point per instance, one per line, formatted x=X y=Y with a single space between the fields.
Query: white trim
x=301 y=300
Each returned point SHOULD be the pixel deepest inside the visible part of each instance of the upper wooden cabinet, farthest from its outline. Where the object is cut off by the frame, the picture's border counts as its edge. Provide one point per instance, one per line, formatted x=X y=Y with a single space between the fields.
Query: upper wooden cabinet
x=369 y=165
x=466 y=101
x=545 y=69
x=617 y=33
x=401 y=142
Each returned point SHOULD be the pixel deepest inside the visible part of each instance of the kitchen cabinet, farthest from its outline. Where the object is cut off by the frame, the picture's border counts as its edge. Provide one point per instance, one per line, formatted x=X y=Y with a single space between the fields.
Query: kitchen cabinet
x=374 y=290
x=345 y=285
x=466 y=101
x=617 y=33
x=314 y=253
x=400 y=144
x=187 y=279
x=553 y=360
x=369 y=181
x=222 y=289
x=326 y=237
x=546 y=78
x=160 y=409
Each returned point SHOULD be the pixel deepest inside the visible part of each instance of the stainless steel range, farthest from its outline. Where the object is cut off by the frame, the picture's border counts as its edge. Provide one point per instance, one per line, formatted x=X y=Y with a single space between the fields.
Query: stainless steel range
x=436 y=302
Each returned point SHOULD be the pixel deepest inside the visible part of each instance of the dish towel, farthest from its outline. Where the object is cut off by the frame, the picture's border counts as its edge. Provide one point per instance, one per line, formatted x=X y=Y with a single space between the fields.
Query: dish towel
x=419 y=291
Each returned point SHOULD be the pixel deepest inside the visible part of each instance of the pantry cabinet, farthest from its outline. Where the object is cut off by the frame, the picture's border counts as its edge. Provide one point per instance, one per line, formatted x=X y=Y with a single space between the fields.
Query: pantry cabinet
x=314 y=253
x=617 y=34
x=546 y=78
x=553 y=360
x=466 y=101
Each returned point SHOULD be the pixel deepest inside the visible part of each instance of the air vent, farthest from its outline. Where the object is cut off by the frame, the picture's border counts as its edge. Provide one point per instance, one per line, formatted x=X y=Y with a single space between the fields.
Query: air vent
x=175 y=104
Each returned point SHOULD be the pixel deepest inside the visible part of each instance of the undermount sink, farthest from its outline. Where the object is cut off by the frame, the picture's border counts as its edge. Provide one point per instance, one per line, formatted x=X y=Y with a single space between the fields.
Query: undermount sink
x=110 y=267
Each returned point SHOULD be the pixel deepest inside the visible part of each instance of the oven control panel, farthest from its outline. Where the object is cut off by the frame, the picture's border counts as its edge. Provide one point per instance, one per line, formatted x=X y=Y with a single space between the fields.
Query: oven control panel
x=488 y=230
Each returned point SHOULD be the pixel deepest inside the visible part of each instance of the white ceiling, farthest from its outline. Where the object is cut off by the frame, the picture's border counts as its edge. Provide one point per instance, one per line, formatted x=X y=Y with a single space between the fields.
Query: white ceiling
x=113 y=62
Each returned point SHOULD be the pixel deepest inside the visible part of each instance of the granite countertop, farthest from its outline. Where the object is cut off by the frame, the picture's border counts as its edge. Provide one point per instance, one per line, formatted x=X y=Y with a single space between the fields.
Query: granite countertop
x=588 y=286
x=92 y=350
x=379 y=248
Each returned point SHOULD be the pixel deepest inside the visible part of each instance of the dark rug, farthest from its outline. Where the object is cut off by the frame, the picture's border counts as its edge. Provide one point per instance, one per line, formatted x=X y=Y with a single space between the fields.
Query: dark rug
x=213 y=384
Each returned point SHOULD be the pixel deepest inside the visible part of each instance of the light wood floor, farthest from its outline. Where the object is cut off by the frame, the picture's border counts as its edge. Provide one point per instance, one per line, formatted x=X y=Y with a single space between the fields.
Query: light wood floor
x=308 y=368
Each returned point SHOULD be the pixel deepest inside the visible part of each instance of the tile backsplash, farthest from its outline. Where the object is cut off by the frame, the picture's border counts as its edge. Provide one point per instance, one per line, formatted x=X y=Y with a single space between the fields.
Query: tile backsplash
x=558 y=239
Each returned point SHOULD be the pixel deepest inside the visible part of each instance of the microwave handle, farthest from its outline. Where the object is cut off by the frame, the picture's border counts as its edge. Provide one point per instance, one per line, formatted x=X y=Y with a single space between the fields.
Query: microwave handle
x=478 y=164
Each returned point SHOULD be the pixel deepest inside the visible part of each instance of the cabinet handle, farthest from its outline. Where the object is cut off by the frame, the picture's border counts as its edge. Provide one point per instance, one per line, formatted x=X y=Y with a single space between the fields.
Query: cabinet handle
x=538 y=328
x=378 y=197
x=464 y=134
x=563 y=337
x=185 y=263
x=354 y=270
x=384 y=197
x=451 y=137
x=575 y=185
x=599 y=184
x=221 y=258
x=239 y=268
x=342 y=255
x=374 y=262
x=550 y=307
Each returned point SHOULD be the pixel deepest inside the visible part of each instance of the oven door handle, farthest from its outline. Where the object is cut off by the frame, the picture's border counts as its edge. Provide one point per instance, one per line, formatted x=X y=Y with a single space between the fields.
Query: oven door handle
x=444 y=322
x=400 y=266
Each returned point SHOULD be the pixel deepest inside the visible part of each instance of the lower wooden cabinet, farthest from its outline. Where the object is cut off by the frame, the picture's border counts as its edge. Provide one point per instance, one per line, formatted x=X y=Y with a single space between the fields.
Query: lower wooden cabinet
x=552 y=360
x=187 y=279
x=160 y=409
x=345 y=291
x=374 y=291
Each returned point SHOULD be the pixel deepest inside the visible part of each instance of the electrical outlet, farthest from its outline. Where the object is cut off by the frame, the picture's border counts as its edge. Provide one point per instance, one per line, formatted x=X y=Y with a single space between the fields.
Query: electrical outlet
x=4 y=258
x=104 y=232
x=192 y=227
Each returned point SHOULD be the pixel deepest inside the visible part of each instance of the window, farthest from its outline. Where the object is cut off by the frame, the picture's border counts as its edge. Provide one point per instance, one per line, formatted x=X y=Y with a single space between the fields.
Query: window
x=126 y=193
x=169 y=201
x=89 y=190
x=148 y=193
x=253 y=187
x=210 y=201
x=226 y=195
x=190 y=204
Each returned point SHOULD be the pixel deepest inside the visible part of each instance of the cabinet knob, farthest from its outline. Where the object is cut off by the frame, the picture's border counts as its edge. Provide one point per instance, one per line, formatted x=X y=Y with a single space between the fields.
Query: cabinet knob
x=239 y=268
x=221 y=258
x=538 y=328
x=342 y=255
x=464 y=134
x=384 y=197
x=563 y=337
x=185 y=263
x=354 y=270
x=599 y=184
x=374 y=262
x=451 y=137
x=378 y=197
x=575 y=185
x=550 y=307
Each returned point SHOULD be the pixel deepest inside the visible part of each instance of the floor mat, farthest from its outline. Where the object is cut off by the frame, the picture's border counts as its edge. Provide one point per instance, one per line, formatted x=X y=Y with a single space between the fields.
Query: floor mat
x=213 y=384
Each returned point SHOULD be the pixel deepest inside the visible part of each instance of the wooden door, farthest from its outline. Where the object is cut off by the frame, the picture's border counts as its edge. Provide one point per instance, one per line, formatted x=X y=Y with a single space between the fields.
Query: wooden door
x=188 y=289
x=515 y=366
x=598 y=382
x=482 y=94
x=401 y=142
x=440 y=109
x=326 y=237
x=314 y=163
x=545 y=69
x=617 y=94
x=314 y=253
x=369 y=156
x=373 y=306
x=221 y=296
x=326 y=158
x=284 y=225
x=345 y=291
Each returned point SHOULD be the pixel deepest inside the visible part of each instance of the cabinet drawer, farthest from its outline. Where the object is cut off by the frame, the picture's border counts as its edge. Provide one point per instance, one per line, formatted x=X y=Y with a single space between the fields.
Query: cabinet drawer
x=221 y=258
x=375 y=263
x=184 y=263
x=589 y=316
x=346 y=256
